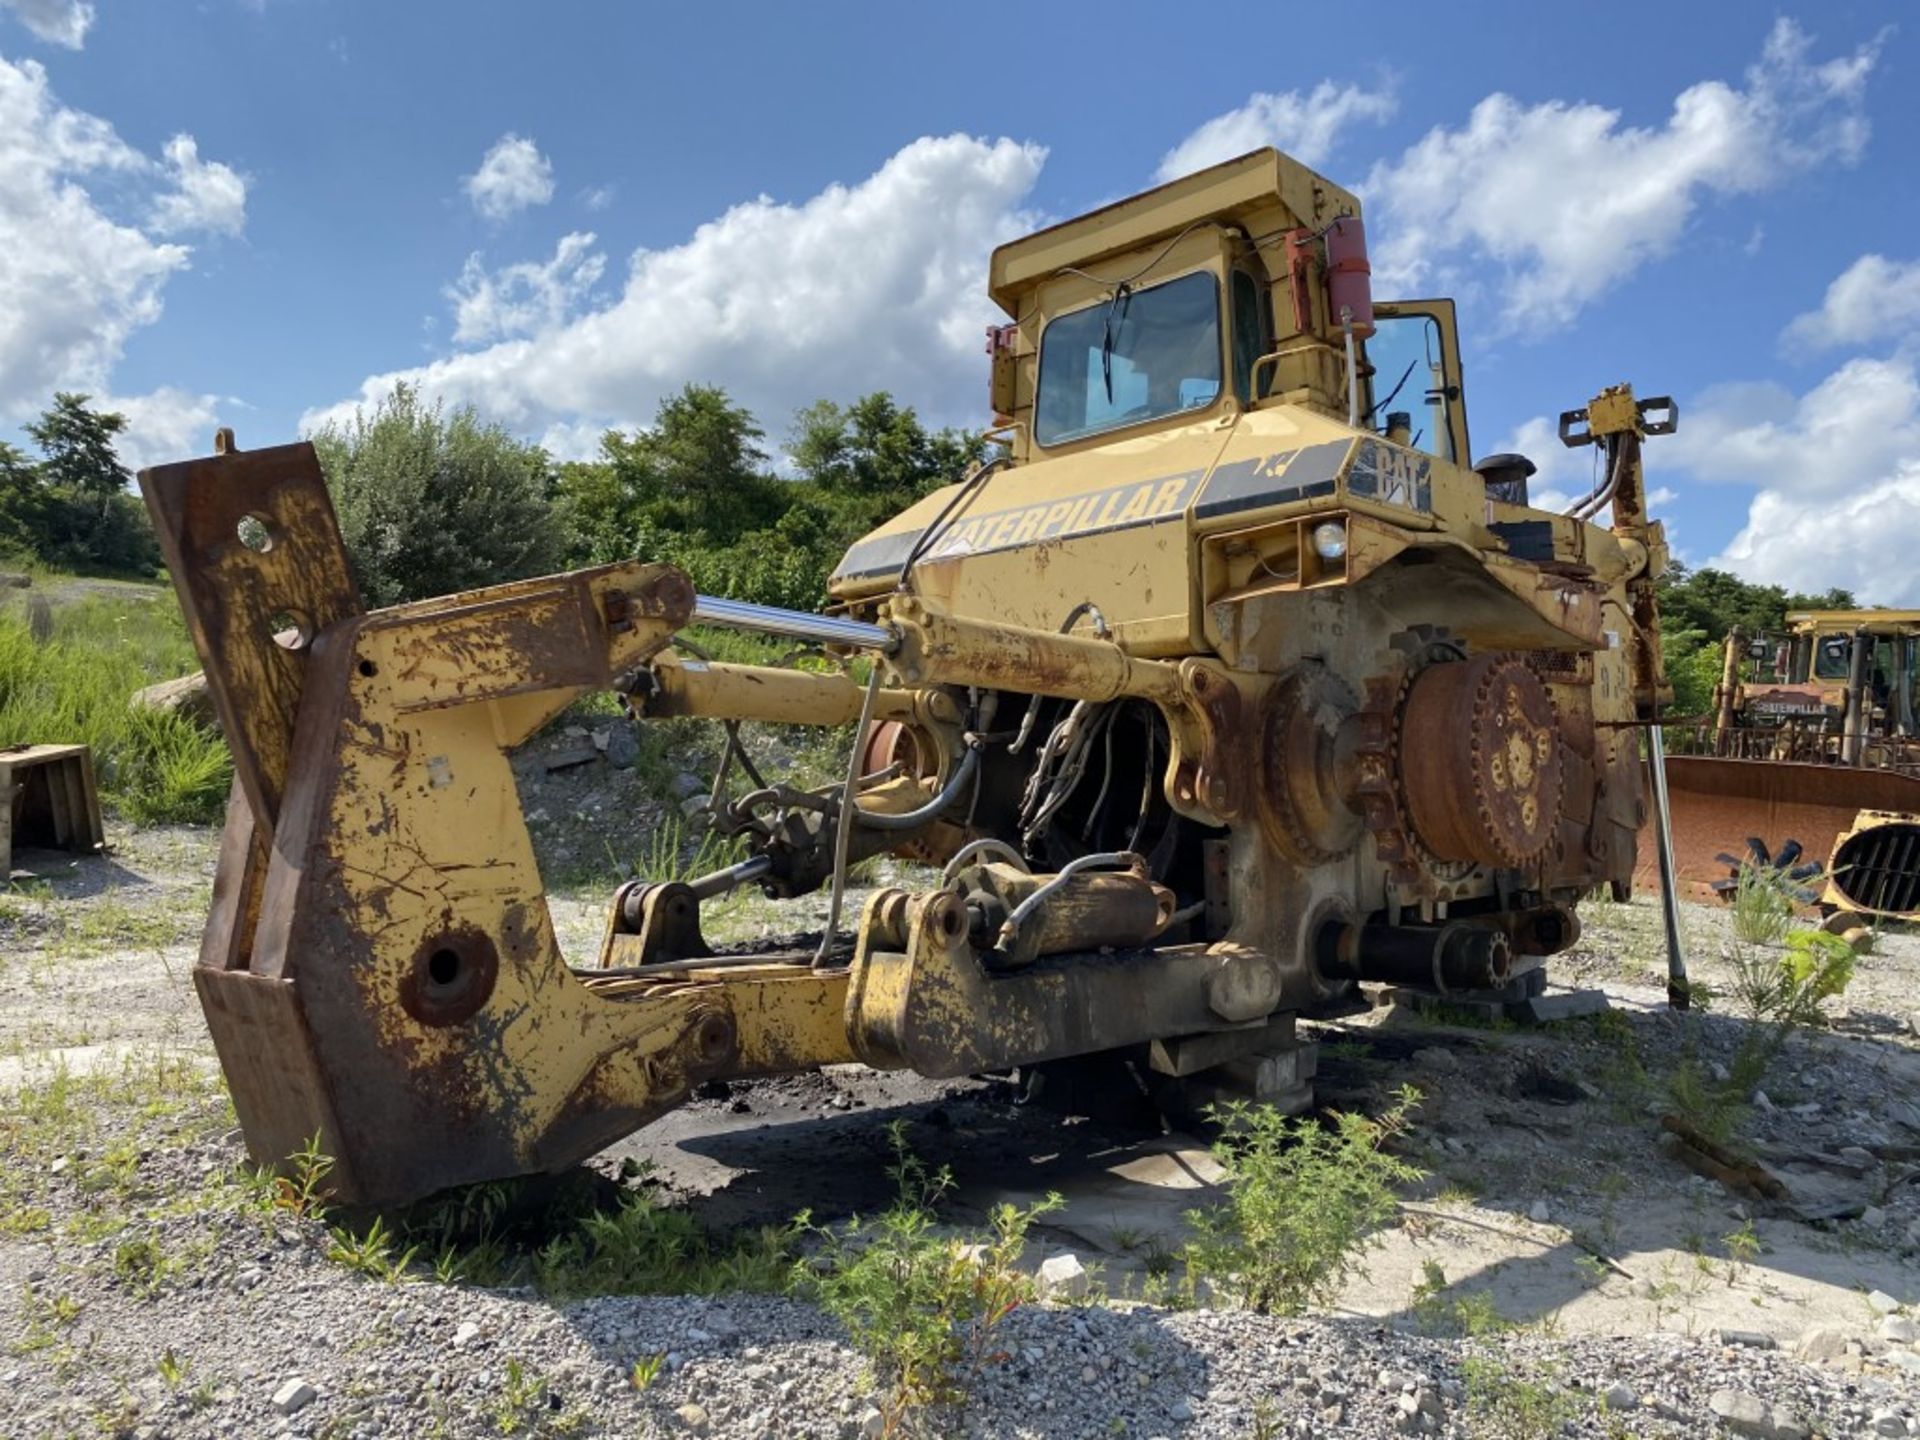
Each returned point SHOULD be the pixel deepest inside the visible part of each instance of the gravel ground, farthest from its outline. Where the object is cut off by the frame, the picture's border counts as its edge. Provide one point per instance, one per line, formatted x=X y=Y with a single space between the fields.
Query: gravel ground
x=262 y=1334
x=149 y=1287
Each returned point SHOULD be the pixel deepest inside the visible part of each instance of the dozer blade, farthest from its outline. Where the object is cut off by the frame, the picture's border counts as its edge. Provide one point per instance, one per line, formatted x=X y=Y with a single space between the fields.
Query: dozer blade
x=1722 y=808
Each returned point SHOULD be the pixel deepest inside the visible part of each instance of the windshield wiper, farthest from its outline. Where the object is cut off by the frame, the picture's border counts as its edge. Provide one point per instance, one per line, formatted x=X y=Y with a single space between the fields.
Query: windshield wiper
x=1122 y=301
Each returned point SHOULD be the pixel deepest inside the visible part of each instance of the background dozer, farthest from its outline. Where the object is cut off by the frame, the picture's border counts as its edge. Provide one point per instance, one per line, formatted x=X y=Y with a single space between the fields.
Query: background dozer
x=1809 y=765
x=1230 y=683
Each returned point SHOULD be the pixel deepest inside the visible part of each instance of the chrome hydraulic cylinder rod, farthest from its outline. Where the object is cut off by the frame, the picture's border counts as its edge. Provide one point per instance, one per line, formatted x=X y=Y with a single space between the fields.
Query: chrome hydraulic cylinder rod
x=795 y=624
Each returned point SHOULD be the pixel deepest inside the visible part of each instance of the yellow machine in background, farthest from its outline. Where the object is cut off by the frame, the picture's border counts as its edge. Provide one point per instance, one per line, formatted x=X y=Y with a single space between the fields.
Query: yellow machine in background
x=1812 y=755
x=1229 y=685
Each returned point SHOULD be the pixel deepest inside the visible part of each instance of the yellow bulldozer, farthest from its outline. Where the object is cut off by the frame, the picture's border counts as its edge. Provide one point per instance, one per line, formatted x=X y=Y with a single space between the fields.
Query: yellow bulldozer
x=1808 y=766
x=1227 y=684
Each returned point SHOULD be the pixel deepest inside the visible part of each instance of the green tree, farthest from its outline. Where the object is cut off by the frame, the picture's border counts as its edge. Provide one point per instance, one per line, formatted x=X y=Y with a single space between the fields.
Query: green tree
x=22 y=503
x=75 y=502
x=877 y=450
x=1713 y=602
x=78 y=445
x=431 y=502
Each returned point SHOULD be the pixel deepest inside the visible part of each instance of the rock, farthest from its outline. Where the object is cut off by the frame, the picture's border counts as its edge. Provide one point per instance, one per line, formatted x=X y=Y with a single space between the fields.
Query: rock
x=1180 y=1412
x=464 y=1334
x=188 y=697
x=622 y=747
x=1881 y=1303
x=1873 y=1217
x=1903 y=1360
x=686 y=783
x=1761 y=1101
x=1062 y=1277
x=1539 y=1213
x=1746 y=1414
x=1620 y=1396
x=569 y=756
x=1899 y=1329
x=692 y=1418
x=1748 y=1339
x=296 y=1394
x=872 y=1424
x=1822 y=1344
x=1435 y=1057
x=1858 y=1156
x=1887 y=1422
x=11 y=581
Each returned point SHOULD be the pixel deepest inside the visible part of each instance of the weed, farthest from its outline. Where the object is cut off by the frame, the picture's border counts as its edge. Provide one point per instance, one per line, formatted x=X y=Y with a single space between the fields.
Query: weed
x=46 y=1317
x=371 y=1253
x=522 y=1397
x=1762 y=902
x=302 y=1189
x=172 y=1369
x=646 y=1370
x=142 y=1266
x=1302 y=1202
x=1436 y=1311
x=1743 y=1248
x=924 y=1308
x=641 y=1247
x=671 y=854
x=1791 y=988
x=1513 y=1406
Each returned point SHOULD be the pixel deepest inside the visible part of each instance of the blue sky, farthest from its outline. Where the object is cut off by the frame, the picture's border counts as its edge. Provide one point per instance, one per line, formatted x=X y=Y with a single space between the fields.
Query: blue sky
x=257 y=212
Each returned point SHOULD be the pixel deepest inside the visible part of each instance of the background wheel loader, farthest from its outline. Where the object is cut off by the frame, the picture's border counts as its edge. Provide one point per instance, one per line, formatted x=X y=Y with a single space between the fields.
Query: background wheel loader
x=1809 y=764
x=1230 y=683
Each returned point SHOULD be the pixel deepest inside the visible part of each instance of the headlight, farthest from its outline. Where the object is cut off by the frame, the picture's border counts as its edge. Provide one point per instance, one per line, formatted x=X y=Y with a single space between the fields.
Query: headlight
x=1330 y=540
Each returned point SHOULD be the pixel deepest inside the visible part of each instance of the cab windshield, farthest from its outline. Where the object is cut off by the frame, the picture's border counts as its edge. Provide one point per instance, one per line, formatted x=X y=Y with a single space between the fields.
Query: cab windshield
x=1137 y=355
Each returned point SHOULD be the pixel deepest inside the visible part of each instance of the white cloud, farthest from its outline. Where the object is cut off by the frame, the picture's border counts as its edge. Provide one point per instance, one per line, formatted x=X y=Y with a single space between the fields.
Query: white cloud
x=1838 y=501
x=512 y=176
x=875 y=285
x=75 y=279
x=1306 y=127
x=164 y=425
x=526 y=298
x=58 y=22
x=206 y=195
x=597 y=197
x=1567 y=201
x=1872 y=299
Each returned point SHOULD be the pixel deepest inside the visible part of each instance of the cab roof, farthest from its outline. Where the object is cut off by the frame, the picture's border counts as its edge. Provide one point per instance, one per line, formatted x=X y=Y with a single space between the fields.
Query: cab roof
x=1262 y=192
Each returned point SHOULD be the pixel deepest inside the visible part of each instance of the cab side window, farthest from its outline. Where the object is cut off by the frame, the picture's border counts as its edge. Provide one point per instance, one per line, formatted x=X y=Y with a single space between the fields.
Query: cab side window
x=1251 y=335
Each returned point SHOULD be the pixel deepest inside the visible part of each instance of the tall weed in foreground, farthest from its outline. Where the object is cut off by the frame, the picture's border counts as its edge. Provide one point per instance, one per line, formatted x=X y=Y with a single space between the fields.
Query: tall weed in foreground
x=923 y=1306
x=74 y=690
x=1303 y=1202
x=1762 y=902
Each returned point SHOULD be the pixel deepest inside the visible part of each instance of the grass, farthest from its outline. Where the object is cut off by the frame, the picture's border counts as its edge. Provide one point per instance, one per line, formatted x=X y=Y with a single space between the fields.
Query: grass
x=151 y=767
x=1304 y=1201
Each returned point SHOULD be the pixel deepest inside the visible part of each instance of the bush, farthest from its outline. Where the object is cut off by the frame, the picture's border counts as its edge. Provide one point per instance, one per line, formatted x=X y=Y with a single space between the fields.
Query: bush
x=74 y=690
x=430 y=503
x=922 y=1306
x=1303 y=1202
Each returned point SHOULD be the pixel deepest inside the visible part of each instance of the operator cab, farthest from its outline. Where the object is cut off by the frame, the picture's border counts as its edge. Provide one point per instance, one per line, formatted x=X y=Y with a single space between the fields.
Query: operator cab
x=1227 y=290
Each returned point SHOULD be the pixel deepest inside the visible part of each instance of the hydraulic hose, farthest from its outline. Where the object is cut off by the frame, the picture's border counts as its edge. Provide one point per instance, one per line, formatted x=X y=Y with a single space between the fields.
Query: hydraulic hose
x=913 y=819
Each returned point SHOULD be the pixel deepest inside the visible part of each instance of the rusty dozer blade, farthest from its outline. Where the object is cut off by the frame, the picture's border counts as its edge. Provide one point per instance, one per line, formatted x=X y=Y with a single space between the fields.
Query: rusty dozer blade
x=1719 y=804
